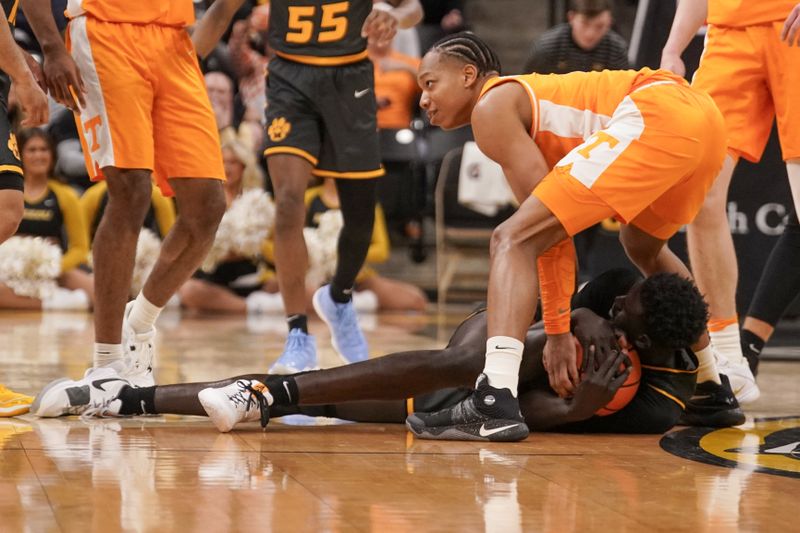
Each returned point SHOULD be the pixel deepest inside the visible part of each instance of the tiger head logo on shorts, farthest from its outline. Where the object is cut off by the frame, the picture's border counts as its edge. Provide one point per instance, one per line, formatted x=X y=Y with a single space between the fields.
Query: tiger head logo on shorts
x=279 y=129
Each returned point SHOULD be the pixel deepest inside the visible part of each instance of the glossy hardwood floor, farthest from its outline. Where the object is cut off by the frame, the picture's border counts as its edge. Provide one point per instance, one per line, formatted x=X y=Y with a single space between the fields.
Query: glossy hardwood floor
x=178 y=474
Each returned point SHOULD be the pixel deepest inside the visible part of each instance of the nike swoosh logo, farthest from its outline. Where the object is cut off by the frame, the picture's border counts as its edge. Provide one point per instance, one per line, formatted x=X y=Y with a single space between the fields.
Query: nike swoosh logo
x=99 y=383
x=497 y=347
x=359 y=94
x=754 y=348
x=486 y=432
x=286 y=386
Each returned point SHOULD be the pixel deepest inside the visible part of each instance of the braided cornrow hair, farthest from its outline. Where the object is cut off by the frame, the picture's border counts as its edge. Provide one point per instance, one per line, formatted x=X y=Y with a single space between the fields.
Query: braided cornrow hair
x=467 y=47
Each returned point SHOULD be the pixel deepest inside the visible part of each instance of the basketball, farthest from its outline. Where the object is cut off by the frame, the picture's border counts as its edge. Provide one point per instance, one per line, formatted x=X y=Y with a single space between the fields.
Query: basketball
x=627 y=390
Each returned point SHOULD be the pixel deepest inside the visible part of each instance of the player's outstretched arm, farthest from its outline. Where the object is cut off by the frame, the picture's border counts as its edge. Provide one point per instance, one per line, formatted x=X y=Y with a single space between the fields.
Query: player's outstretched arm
x=689 y=17
x=382 y=23
x=60 y=71
x=12 y=62
x=209 y=30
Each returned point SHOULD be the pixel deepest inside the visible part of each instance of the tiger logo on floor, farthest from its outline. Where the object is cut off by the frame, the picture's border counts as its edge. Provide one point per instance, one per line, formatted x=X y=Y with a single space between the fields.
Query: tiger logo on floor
x=767 y=445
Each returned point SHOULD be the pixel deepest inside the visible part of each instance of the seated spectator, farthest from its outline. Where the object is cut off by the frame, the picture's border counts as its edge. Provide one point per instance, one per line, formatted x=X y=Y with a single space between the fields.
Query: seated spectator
x=248 y=52
x=396 y=86
x=375 y=291
x=227 y=288
x=584 y=43
x=220 y=90
x=52 y=211
x=159 y=219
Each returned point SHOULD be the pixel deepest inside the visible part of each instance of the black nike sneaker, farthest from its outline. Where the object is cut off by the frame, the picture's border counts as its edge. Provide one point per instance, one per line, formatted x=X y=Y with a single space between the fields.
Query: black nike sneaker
x=488 y=414
x=713 y=406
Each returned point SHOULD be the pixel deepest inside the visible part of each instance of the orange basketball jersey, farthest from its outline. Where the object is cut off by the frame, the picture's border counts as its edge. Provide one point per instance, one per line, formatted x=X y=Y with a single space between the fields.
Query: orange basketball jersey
x=570 y=108
x=739 y=13
x=163 y=12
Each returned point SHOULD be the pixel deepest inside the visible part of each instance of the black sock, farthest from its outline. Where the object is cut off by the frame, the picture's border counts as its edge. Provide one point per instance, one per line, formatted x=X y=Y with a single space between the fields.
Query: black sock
x=298 y=322
x=283 y=389
x=357 y=201
x=752 y=345
x=137 y=400
x=340 y=295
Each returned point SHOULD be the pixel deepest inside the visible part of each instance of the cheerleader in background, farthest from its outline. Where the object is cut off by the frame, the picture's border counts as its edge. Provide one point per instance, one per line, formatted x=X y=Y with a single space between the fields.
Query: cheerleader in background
x=233 y=285
x=373 y=292
x=52 y=211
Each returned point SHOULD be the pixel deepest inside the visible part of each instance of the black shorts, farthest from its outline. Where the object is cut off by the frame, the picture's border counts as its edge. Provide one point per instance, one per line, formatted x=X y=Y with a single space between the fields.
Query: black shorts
x=240 y=277
x=327 y=115
x=10 y=164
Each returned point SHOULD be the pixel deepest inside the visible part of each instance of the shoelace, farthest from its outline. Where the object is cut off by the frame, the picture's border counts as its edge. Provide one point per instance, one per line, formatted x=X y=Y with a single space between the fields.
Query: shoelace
x=98 y=410
x=247 y=396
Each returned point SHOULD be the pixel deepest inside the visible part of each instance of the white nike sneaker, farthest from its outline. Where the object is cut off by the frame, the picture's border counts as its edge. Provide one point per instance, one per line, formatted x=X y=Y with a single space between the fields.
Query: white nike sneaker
x=244 y=400
x=94 y=395
x=140 y=350
x=743 y=383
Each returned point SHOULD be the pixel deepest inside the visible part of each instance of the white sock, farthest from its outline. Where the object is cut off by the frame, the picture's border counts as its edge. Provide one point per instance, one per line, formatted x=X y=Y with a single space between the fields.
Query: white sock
x=707 y=371
x=107 y=354
x=727 y=344
x=503 y=357
x=143 y=315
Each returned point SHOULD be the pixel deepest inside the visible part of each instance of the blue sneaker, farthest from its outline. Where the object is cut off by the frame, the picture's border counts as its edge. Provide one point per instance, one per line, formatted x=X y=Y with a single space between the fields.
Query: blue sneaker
x=346 y=336
x=299 y=354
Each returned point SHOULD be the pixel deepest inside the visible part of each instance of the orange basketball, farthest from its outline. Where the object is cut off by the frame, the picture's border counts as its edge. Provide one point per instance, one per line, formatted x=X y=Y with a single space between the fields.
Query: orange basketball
x=627 y=390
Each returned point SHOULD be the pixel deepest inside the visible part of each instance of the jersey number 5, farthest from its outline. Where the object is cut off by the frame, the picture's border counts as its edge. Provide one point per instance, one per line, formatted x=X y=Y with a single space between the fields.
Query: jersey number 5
x=332 y=26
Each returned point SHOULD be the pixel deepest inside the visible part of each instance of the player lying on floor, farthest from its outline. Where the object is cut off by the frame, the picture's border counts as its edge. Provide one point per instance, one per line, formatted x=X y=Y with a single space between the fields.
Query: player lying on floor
x=660 y=316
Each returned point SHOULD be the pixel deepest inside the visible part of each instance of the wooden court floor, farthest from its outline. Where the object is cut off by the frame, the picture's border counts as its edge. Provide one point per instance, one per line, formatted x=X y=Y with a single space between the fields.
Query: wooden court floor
x=178 y=474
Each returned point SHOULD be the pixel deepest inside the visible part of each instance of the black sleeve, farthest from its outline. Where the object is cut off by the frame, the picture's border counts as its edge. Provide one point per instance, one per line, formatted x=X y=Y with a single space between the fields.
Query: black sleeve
x=649 y=412
x=599 y=294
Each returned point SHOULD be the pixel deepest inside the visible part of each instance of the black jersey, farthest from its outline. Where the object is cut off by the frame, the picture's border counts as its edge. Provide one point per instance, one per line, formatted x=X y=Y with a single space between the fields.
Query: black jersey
x=318 y=32
x=10 y=8
x=57 y=216
x=44 y=217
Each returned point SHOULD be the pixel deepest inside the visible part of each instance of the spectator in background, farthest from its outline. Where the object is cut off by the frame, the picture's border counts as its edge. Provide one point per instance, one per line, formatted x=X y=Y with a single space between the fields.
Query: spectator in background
x=586 y=42
x=234 y=285
x=396 y=88
x=373 y=292
x=52 y=211
x=159 y=219
x=248 y=53
x=441 y=18
x=220 y=90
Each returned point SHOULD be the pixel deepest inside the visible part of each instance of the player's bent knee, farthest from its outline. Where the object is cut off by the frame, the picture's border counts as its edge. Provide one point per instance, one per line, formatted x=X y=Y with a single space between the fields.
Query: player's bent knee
x=9 y=222
x=129 y=192
x=289 y=213
x=509 y=236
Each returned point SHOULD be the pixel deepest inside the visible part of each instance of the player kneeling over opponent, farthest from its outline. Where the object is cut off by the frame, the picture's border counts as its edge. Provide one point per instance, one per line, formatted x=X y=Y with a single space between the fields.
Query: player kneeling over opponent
x=660 y=316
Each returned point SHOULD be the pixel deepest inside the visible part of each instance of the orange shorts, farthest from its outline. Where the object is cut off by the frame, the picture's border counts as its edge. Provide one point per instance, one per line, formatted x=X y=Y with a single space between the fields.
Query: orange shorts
x=753 y=77
x=651 y=166
x=146 y=102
